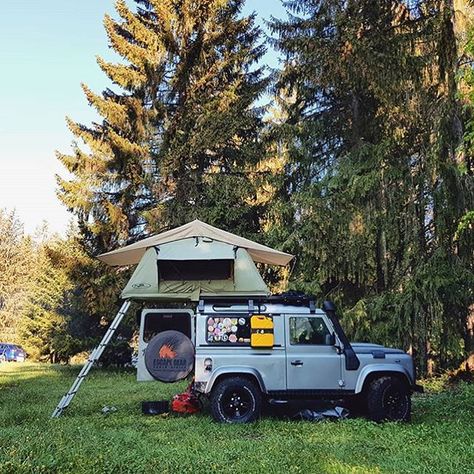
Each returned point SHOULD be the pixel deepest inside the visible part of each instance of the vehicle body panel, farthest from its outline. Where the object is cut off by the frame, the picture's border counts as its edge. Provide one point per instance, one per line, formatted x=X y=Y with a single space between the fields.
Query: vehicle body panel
x=266 y=364
x=311 y=366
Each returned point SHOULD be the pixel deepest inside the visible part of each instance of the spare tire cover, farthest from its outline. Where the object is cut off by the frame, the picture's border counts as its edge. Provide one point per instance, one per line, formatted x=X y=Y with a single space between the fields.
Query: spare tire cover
x=169 y=356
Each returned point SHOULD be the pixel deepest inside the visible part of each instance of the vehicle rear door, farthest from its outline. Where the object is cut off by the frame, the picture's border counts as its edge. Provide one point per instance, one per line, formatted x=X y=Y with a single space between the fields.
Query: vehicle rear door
x=312 y=363
x=155 y=321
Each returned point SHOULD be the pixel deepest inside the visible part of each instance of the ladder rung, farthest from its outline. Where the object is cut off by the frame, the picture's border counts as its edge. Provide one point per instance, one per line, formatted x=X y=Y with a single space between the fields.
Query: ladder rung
x=94 y=357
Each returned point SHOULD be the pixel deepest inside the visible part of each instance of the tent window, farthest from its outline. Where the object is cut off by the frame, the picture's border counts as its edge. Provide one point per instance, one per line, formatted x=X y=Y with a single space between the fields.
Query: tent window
x=175 y=270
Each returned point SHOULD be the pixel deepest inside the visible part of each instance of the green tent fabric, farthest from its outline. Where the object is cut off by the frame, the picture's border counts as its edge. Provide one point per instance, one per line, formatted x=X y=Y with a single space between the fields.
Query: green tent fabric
x=191 y=267
x=131 y=254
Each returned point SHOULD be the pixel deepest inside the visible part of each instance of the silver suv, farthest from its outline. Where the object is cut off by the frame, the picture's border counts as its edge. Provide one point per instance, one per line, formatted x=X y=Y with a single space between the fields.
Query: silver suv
x=248 y=352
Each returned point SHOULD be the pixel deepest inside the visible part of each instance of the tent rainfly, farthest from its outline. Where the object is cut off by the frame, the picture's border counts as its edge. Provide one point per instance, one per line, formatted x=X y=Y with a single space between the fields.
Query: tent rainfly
x=193 y=260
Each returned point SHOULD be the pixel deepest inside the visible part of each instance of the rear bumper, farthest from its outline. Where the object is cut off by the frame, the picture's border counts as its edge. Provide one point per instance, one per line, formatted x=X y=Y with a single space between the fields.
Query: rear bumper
x=417 y=388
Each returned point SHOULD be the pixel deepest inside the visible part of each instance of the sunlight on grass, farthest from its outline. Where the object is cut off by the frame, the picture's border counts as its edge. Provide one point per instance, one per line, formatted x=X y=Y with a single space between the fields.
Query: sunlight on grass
x=84 y=440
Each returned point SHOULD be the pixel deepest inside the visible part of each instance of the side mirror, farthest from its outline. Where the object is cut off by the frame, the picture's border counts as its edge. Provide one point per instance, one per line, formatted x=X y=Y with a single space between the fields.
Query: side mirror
x=330 y=339
x=138 y=316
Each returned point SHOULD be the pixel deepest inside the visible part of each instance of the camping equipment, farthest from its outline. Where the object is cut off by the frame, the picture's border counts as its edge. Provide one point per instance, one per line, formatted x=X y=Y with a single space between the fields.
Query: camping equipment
x=155 y=407
x=261 y=331
x=336 y=413
x=131 y=254
x=184 y=264
x=186 y=402
x=94 y=357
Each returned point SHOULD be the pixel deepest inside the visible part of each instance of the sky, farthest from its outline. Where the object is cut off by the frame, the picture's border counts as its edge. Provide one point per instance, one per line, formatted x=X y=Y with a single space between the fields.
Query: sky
x=47 y=48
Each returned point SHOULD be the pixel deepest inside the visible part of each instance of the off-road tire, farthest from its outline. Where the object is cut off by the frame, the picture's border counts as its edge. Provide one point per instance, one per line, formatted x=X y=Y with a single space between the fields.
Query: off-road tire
x=236 y=400
x=357 y=405
x=388 y=399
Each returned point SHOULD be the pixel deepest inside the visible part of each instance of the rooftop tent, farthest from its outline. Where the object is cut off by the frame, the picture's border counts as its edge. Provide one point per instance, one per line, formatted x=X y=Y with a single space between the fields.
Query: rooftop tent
x=188 y=268
x=131 y=254
x=192 y=260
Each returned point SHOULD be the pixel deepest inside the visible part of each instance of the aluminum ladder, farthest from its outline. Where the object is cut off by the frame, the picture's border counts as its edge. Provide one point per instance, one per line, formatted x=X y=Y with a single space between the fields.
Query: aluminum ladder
x=93 y=358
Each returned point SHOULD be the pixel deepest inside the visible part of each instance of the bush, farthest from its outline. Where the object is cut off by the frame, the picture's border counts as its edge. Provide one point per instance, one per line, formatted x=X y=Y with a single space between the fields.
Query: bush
x=117 y=354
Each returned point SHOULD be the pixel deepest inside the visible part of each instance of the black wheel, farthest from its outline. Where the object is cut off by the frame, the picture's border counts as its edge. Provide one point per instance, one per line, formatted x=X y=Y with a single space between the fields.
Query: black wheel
x=356 y=404
x=388 y=398
x=236 y=400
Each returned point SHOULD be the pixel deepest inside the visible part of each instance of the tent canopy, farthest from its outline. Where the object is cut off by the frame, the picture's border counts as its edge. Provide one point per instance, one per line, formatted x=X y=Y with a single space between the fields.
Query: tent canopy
x=132 y=254
x=189 y=268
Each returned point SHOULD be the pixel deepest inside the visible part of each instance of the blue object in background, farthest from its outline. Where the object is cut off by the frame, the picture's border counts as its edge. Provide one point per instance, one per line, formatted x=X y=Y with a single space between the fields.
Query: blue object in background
x=12 y=353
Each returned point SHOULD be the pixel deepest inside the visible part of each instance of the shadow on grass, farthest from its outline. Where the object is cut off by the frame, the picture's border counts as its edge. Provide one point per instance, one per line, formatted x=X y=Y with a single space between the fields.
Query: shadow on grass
x=84 y=440
x=23 y=383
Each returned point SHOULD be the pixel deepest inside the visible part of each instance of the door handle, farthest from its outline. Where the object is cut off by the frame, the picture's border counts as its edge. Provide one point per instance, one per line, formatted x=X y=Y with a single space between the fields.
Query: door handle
x=297 y=363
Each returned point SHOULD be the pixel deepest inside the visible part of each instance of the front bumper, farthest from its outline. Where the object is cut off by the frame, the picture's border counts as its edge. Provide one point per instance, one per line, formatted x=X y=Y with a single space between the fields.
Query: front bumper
x=200 y=387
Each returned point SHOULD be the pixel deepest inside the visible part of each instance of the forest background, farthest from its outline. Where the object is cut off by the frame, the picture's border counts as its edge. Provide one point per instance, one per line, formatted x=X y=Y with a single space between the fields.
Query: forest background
x=361 y=165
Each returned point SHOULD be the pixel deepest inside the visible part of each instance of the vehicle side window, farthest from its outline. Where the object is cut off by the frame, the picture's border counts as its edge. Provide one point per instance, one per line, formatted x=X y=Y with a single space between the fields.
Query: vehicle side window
x=311 y=331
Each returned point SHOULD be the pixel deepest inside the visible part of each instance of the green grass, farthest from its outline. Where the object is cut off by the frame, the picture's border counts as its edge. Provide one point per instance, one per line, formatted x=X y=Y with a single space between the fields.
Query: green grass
x=438 y=440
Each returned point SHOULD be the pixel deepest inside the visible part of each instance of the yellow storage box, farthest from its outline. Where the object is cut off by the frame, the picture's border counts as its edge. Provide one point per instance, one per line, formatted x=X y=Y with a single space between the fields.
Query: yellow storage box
x=261 y=334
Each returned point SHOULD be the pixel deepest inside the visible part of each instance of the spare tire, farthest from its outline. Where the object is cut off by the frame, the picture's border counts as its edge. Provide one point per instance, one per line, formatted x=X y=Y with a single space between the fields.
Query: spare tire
x=169 y=356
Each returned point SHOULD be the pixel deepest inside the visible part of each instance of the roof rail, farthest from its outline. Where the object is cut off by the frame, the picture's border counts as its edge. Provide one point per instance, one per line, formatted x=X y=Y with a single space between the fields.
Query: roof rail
x=290 y=298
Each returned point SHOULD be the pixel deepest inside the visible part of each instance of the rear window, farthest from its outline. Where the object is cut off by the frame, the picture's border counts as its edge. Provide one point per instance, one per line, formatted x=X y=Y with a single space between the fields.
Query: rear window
x=228 y=329
x=172 y=270
x=159 y=322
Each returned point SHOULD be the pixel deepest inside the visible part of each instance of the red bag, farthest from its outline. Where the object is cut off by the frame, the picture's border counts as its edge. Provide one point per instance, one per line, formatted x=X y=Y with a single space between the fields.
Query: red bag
x=186 y=402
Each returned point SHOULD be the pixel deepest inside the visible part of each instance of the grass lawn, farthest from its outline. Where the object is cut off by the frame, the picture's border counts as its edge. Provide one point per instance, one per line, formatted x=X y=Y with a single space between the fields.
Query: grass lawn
x=440 y=439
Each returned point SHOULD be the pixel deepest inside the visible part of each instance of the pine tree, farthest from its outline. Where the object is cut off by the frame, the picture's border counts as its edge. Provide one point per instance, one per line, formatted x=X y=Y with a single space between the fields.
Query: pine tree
x=16 y=252
x=179 y=132
x=374 y=131
x=43 y=327
x=69 y=301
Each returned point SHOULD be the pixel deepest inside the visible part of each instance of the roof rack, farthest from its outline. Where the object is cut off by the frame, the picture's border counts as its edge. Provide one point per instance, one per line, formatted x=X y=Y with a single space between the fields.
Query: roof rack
x=289 y=298
x=293 y=297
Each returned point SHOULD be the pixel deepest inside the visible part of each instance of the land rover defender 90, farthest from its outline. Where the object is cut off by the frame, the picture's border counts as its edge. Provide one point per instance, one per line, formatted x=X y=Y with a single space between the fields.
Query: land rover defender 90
x=244 y=353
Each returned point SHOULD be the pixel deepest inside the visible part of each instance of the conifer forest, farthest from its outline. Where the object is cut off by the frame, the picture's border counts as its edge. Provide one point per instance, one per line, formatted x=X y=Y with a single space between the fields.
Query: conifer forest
x=356 y=154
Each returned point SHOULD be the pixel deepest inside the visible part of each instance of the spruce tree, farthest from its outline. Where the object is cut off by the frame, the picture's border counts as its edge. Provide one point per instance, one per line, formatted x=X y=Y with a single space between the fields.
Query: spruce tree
x=16 y=254
x=374 y=133
x=69 y=302
x=179 y=131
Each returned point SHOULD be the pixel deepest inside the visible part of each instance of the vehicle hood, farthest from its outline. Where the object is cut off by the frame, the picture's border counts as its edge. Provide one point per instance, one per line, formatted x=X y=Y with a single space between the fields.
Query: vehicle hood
x=369 y=348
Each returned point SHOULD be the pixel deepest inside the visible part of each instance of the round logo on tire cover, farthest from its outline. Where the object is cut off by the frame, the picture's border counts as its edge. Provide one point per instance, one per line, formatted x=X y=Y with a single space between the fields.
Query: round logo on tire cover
x=169 y=356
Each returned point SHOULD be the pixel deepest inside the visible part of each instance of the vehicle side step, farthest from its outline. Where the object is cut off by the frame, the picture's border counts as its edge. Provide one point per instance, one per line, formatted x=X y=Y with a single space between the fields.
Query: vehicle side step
x=277 y=402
